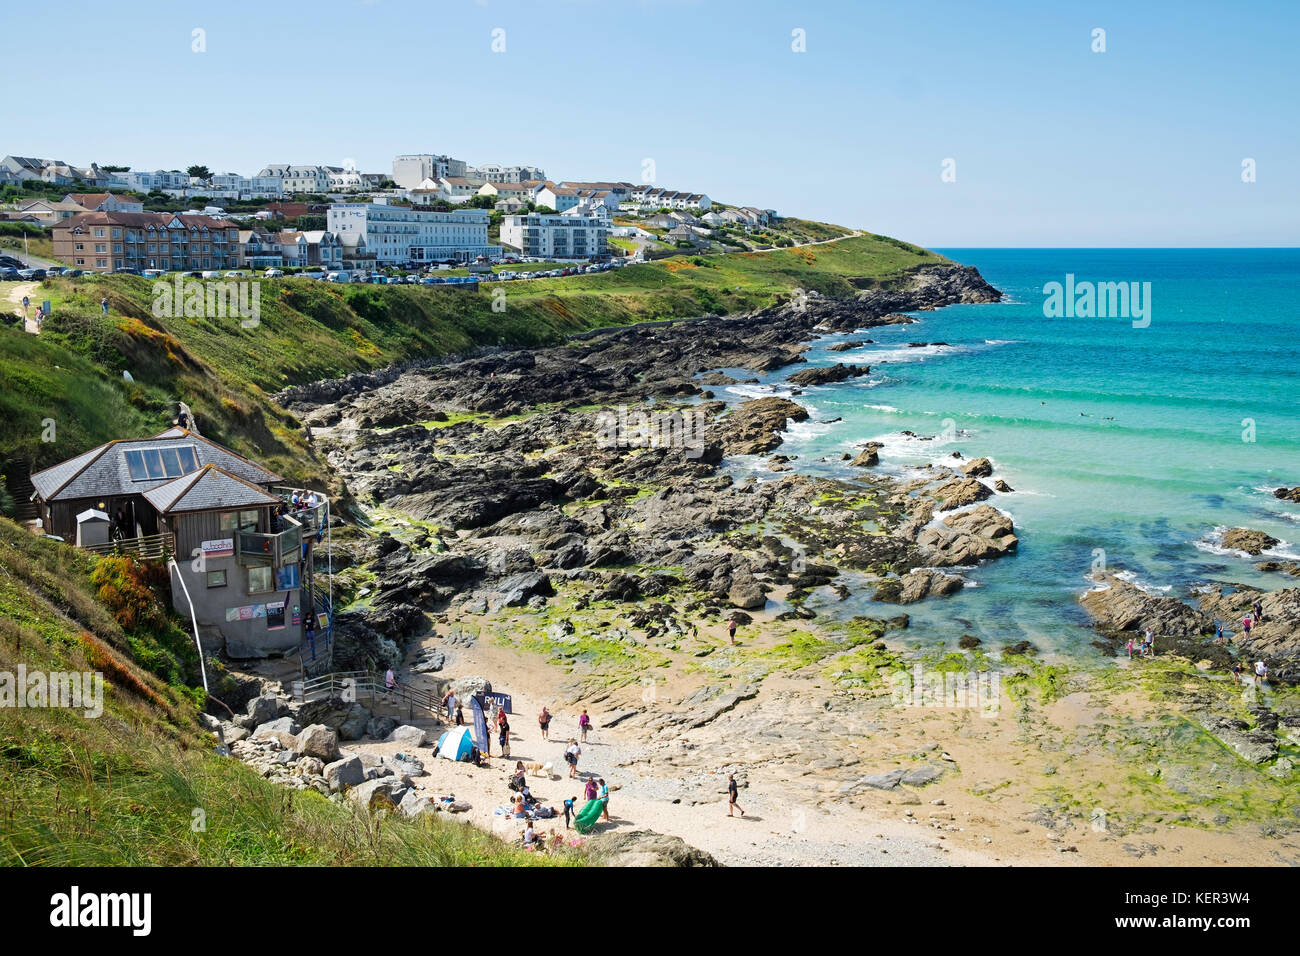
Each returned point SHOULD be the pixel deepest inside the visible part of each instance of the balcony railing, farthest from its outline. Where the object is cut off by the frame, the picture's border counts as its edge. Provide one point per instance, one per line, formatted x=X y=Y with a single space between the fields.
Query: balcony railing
x=154 y=546
x=255 y=548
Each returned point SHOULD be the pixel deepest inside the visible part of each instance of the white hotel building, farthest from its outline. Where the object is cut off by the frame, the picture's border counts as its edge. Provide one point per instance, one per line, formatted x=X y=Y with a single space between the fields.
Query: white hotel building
x=575 y=235
x=395 y=234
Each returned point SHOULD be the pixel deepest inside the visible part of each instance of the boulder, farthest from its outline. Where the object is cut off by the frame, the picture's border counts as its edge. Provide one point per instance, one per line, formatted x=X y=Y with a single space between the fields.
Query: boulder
x=977 y=535
x=312 y=766
x=1288 y=494
x=979 y=468
x=416 y=803
x=403 y=764
x=467 y=687
x=1002 y=487
x=746 y=592
x=408 y=736
x=319 y=741
x=384 y=793
x=380 y=727
x=286 y=725
x=647 y=848
x=347 y=772
x=755 y=426
x=264 y=709
x=1118 y=605
x=349 y=718
x=868 y=457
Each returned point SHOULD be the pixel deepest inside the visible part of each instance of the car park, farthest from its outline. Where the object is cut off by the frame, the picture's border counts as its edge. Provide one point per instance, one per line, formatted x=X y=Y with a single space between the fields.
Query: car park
x=9 y=272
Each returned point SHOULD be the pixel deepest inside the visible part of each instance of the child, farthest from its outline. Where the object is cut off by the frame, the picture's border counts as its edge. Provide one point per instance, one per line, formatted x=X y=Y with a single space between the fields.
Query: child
x=568 y=811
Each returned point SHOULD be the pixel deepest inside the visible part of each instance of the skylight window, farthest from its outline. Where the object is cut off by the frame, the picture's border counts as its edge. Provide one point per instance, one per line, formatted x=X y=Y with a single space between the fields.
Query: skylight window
x=154 y=464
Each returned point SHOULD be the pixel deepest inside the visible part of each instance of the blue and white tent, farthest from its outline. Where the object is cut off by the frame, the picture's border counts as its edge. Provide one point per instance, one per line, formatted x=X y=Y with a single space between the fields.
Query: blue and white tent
x=455 y=744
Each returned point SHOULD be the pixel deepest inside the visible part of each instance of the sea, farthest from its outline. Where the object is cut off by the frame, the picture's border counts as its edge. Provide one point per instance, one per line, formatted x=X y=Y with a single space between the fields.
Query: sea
x=1131 y=441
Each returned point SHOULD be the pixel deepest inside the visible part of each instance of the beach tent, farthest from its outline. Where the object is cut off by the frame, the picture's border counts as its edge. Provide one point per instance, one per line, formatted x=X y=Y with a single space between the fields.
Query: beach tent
x=586 y=818
x=455 y=744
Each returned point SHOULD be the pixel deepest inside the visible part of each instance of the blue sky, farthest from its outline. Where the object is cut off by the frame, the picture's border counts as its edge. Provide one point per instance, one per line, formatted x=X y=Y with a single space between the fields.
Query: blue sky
x=1054 y=145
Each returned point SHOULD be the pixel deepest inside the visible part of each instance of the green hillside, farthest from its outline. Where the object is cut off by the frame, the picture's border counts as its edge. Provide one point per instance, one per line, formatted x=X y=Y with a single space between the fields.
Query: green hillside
x=309 y=330
x=122 y=788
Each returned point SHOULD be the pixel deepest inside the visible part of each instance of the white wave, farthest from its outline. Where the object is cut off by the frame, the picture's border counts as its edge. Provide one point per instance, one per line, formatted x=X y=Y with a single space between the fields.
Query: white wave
x=803 y=431
x=882 y=408
x=1001 y=341
x=759 y=391
x=918 y=354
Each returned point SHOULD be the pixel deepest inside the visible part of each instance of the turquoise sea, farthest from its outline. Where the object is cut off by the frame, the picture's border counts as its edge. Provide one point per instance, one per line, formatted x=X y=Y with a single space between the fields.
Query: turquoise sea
x=1128 y=445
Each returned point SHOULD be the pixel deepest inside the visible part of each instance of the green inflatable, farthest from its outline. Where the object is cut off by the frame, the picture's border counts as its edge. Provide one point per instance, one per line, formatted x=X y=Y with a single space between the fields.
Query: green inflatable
x=586 y=819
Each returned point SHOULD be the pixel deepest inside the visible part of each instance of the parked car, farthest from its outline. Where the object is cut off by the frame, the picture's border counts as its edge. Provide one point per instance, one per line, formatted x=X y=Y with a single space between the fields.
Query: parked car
x=236 y=274
x=74 y=273
x=152 y=273
x=210 y=274
x=126 y=271
x=273 y=273
x=56 y=270
x=9 y=272
x=31 y=273
x=12 y=263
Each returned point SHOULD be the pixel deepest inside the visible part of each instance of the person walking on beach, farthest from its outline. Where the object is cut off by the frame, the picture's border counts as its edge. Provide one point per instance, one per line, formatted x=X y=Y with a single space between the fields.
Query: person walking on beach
x=603 y=797
x=731 y=629
x=568 y=811
x=732 y=793
x=544 y=722
x=1257 y=607
x=584 y=724
x=1261 y=673
x=571 y=755
x=450 y=702
x=1130 y=648
x=1245 y=625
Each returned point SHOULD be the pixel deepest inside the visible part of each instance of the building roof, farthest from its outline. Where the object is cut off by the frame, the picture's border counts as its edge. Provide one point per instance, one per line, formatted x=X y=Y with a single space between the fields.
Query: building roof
x=141 y=220
x=207 y=489
x=103 y=471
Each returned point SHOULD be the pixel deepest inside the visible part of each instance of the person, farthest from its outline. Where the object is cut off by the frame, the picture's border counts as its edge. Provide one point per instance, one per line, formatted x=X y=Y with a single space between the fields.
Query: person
x=40 y=316
x=544 y=722
x=732 y=793
x=519 y=809
x=103 y=304
x=390 y=680
x=1261 y=673
x=1236 y=671
x=1218 y=634
x=460 y=715
x=603 y=797
x=530 y=836
x=571 y=754
x=569 y=811
x=504 y=739
x=309 y=630
x=731 y=629
x=1257 y=607
x=1245 y=625
x=26 y=303
x=293 y=500
x=589 y=789
x=182 y=420
x=584 y=724
x=1130 y=648
x=450 y=703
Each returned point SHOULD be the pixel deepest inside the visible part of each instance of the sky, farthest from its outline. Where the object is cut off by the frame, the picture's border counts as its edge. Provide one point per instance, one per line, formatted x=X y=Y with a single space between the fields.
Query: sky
x=1044 y=140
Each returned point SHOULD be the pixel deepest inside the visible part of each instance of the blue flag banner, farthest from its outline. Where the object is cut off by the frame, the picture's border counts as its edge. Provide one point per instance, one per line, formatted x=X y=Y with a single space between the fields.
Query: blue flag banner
x=480 y=726
x=502 y=701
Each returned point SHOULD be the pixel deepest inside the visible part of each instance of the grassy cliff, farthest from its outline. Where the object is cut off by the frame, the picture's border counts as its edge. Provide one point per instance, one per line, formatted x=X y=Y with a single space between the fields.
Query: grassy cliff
x=140 y=784
x=72 y=375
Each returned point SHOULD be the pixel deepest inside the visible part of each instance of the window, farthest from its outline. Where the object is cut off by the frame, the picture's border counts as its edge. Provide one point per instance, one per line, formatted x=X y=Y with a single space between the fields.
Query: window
x=234 y=521
x=152 y=464
x=217 y=579
x=259 y=579
x=99 y=233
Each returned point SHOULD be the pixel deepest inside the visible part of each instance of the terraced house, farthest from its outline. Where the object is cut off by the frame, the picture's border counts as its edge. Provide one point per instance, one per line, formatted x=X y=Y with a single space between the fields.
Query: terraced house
x=107 y=241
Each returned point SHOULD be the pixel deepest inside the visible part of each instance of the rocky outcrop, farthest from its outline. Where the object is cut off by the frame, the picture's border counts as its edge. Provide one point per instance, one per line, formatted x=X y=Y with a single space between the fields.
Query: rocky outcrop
x=960 y=492
x=826 y=375
x=917 y=585
x=979 y=468
x=1118 y=606
x=1245 y=539
x=1288 y=494
x=755 y=426
x=968 y=537
x=868 y=457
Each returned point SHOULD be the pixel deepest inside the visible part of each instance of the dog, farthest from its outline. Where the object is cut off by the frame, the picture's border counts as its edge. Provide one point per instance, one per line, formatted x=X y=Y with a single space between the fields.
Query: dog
x=539 y=769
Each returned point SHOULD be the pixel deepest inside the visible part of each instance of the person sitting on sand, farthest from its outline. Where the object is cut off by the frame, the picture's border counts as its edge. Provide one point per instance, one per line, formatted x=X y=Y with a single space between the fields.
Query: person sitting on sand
x=530 y=836
x=519 y=809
